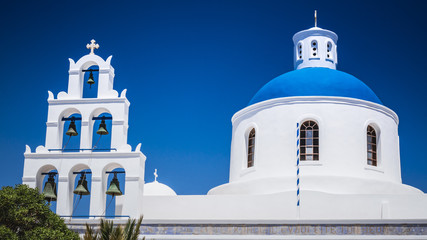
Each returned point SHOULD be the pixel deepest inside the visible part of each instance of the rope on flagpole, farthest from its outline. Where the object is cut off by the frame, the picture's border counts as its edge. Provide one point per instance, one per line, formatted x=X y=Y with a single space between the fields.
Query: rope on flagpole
x=298 y=159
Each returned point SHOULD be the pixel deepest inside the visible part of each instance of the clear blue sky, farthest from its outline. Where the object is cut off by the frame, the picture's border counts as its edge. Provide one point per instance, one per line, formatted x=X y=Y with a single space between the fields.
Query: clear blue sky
x=190 y=65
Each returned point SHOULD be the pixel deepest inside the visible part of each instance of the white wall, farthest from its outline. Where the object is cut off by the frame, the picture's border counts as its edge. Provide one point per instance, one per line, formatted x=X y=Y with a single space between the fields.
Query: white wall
x=342 y=167
x=281 y=207
x=51 y=157
x=322 y=58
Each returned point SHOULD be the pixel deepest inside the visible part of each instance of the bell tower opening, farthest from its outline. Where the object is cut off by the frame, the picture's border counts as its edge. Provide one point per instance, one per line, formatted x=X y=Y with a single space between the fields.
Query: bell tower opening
x=71 y=134
x=50 y=189
x=90 y=82
x=82 y=189
x=115 y=191
x=101 y=134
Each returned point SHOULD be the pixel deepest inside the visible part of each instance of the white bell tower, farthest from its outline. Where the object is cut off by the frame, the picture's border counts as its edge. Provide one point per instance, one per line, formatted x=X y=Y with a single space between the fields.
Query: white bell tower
x=53 y=155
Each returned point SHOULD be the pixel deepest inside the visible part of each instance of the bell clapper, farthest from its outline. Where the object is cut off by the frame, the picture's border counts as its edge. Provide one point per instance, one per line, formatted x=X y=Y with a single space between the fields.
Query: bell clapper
x=66 y=143
x=94 y=146
x=75 y=206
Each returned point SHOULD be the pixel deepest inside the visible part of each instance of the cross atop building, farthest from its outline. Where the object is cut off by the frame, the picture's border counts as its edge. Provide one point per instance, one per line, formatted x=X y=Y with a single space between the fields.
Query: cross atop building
x=92 y=46
x=155 y=175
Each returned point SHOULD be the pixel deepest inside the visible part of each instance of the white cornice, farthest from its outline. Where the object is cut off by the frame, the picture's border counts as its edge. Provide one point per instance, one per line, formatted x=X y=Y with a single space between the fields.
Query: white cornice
x=254 y=221
x=88 y=101
x=93 y=155
x=315 y=100
x=280 y=221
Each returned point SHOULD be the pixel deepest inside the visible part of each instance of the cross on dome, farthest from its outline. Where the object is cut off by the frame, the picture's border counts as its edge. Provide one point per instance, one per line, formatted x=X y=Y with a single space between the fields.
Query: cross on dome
x=92 y=46
x=155 y=175
x=315 y=18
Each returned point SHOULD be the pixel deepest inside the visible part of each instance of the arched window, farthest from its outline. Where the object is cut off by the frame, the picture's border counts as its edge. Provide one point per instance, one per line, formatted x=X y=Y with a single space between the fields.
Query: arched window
x=71 y=133
x=329 y=51
x=314 y=49
x=116 y=183
x=102 y=132
x=251 y=148
x=50 y=183
x=90 y=87
x=299 y=51
x=82 y=188
x=309 y=141
x=372 y=146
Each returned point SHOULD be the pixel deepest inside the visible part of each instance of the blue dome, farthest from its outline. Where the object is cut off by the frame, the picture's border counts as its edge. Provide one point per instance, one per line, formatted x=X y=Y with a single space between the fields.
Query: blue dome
x=315 y=82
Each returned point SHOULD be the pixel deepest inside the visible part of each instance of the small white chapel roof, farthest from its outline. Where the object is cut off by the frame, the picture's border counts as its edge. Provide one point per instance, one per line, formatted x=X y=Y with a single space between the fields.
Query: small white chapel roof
x=157 y=189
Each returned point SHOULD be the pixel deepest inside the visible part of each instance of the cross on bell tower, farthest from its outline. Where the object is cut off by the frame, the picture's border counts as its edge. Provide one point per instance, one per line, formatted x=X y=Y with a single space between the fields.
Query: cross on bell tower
x=92 y=46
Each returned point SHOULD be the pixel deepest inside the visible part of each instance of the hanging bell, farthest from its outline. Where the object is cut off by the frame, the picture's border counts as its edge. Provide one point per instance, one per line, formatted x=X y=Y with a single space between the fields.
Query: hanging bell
x=81 y=188
x=114 y=189
x=72 y=129
x=102 y=130
x=49 y=190
x=90 y=81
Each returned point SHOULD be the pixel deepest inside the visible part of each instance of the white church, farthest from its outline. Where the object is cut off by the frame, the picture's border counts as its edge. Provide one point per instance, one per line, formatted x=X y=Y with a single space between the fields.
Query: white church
x=315 y=155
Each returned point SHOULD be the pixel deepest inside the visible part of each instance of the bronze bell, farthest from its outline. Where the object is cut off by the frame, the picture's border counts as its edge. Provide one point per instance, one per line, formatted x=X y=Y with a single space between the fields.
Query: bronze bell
x=49 y=190
x=114 y=189
x=102 y=130
x=72 y=129
x=81 y=188
x=90 y=81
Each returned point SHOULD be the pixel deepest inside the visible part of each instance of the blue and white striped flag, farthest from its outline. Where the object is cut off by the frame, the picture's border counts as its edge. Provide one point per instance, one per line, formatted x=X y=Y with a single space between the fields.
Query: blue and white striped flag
x=298 y=156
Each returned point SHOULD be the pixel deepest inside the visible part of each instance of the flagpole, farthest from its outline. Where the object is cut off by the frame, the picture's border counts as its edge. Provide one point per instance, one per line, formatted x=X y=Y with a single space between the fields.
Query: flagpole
x=298 y=182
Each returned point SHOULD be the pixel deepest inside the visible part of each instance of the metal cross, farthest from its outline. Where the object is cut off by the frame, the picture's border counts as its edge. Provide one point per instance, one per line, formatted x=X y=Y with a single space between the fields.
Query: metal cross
x=315 y=18
x=92 y=46
x=155 y=175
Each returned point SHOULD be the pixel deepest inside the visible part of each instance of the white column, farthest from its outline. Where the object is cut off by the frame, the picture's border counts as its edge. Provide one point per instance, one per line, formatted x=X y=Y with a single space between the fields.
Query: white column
x=104 y=85
x=132 y=200
x=85 y=135
x=29 y=181
x=97 y=195
x=52 y=136
x=64 y=200
x=75 y=88
x=118 y=137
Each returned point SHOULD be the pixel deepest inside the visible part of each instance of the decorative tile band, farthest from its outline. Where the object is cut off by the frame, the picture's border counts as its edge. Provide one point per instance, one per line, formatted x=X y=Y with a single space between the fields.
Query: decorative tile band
x=278 y=229
x=285 y=229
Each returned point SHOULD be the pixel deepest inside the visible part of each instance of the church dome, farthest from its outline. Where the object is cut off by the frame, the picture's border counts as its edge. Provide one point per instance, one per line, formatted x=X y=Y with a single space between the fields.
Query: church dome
x=158 y=189
x=315 y=81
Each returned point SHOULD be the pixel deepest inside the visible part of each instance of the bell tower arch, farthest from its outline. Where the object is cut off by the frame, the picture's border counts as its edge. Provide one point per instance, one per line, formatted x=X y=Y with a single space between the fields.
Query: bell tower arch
x=60 y=157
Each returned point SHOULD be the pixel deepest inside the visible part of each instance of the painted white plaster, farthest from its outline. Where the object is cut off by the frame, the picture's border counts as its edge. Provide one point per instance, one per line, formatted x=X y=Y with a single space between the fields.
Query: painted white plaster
x=322 y=54
x=158 y=189
x=342 y=167
x=339 y=188
x=47 y=157
x=281 y=208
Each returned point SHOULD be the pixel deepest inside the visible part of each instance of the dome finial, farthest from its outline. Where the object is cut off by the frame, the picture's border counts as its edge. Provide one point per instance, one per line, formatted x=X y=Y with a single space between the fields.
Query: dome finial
x=155 y=175
x=315 y=18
